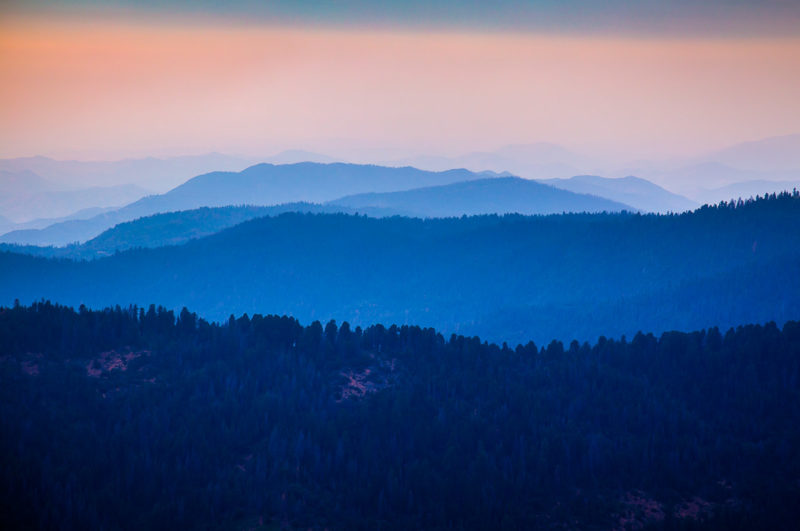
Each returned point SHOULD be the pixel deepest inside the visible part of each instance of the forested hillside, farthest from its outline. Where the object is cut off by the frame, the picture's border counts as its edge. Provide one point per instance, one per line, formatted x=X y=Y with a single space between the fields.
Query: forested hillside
x=599 y=274
x=133 y=419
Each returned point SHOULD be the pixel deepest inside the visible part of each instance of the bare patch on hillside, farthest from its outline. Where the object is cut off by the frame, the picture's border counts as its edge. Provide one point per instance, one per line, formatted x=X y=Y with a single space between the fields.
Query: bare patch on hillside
x=695 y=509
x=28 y=363
x=360 y=383
x=641 y=511
x=105 y=362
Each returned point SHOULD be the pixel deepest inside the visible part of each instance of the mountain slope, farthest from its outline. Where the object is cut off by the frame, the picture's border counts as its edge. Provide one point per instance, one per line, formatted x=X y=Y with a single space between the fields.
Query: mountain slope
x=450 y=273
x=638 y=193
x=499 y=195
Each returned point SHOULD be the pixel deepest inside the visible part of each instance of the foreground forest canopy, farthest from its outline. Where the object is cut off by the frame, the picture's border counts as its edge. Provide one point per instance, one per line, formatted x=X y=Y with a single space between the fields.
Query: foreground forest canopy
x=135 y=418
x=506 y=278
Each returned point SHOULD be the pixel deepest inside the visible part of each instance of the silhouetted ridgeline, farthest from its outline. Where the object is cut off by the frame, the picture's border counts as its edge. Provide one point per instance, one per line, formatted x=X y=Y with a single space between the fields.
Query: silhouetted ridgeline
x=564 y=276
x=132 y=418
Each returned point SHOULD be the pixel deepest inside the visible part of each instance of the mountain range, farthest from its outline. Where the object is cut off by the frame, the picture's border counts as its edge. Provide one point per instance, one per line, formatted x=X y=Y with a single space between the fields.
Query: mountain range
x=768 y=159
x=712 y=182
x=764 y=166
x=498 y=195
x=267 y=184
x=743 y=170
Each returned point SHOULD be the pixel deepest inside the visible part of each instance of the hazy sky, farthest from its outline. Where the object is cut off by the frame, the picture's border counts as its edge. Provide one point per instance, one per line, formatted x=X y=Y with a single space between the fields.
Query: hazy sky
x=661 y=79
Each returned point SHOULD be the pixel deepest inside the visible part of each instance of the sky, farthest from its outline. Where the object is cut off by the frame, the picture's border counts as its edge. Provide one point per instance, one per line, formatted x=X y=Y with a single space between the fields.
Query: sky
x=106 y=80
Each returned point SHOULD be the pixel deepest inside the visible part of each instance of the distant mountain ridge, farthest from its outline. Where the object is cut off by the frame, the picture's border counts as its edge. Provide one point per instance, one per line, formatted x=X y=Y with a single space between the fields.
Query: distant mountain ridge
x=41 y=223
x=768 y=159
x=270 y=184
x=22 y=182
x=540 y=160
x=499 y=195
x=26 y=196
x=639 y=193
x=65 y=203
x=385 y=190
x=778 y=153
x=712 y=182
x=152 y=173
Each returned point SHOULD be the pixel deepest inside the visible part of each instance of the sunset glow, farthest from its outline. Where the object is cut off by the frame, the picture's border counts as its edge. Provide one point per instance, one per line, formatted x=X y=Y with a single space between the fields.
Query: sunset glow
x=90 y=89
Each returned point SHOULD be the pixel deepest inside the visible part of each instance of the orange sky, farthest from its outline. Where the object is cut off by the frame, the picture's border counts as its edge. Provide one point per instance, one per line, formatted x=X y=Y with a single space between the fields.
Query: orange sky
x=92 y=90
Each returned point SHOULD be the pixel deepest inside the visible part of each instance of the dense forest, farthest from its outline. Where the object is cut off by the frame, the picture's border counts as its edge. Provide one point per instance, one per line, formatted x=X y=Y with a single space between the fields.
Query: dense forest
x=132 y=418
x=507 y=278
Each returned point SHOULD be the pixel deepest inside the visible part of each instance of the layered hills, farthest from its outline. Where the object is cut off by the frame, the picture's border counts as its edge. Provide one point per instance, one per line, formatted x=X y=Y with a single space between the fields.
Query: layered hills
x=269 y=185
x=457 y=273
